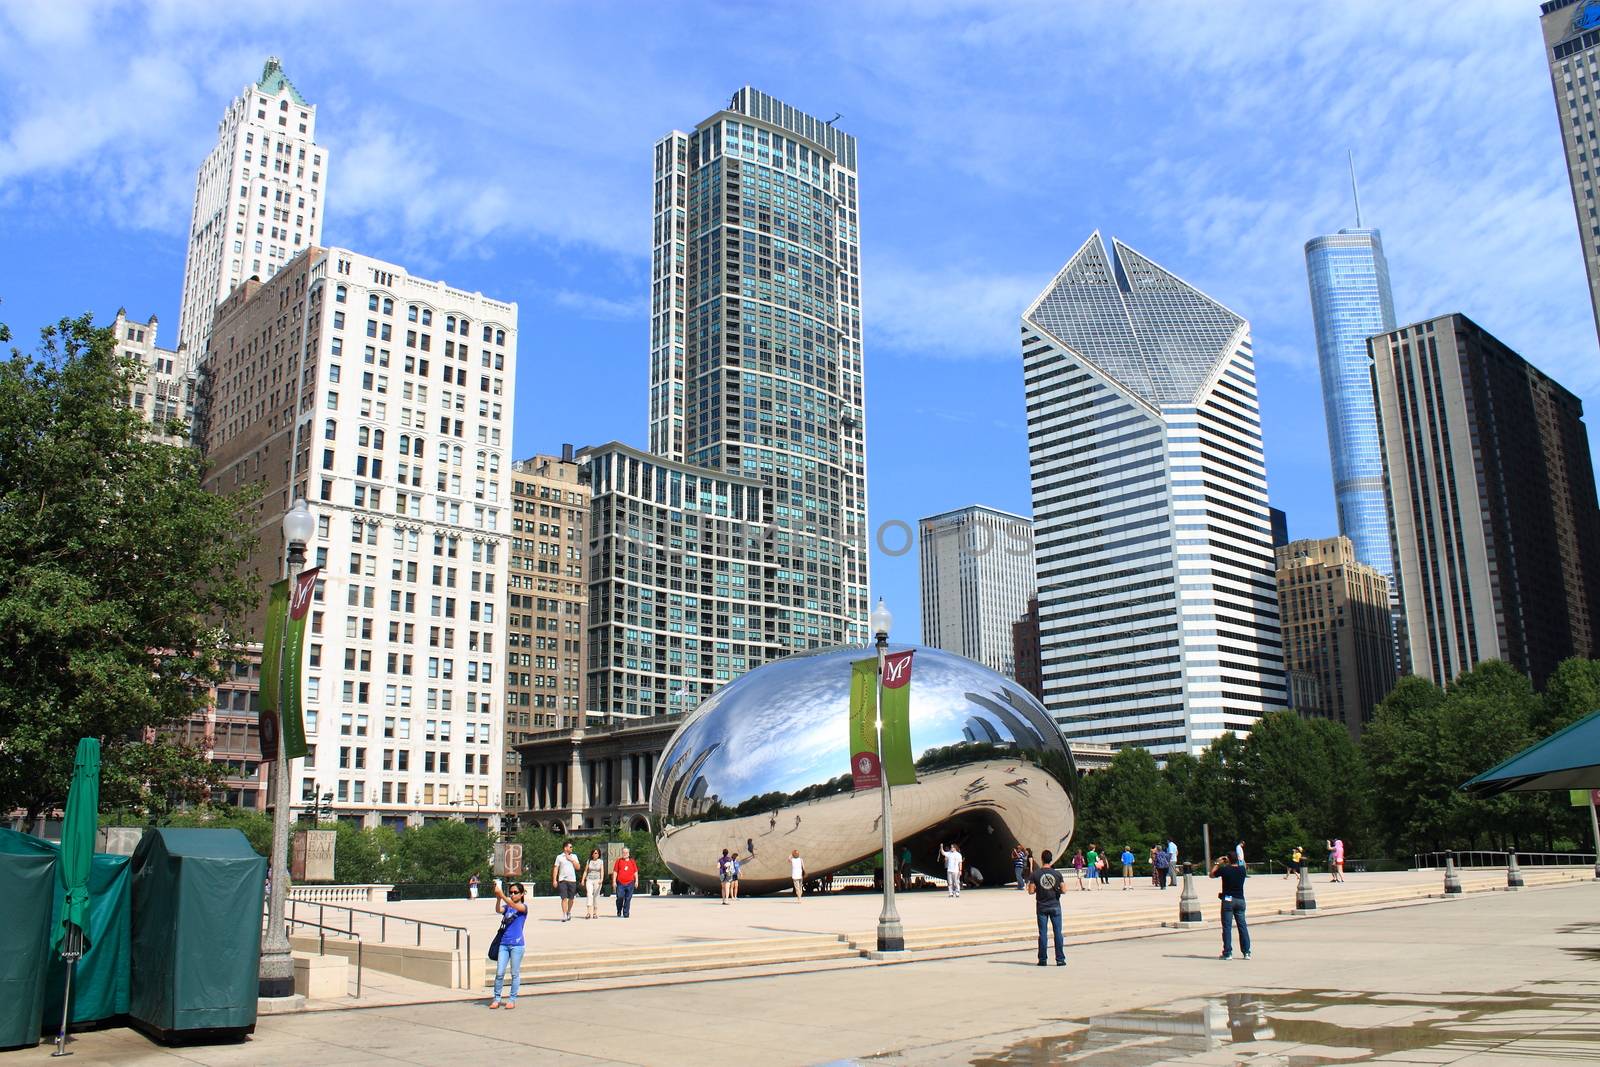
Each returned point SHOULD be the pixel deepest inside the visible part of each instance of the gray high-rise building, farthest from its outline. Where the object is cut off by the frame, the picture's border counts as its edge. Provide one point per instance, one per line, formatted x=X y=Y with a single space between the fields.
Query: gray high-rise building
x=977 y=577
x=1492 y=502
x=755 y=344
x=1572 y=48
x=1158 y=601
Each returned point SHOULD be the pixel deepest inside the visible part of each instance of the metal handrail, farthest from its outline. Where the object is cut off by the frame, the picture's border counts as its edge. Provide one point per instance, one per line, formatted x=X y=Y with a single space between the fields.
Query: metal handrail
x=1491 y=858
x=463 y=964
x=322 y=944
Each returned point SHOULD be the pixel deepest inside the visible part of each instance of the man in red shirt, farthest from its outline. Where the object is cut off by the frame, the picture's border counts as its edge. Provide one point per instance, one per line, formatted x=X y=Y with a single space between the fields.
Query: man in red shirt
x=624 y=877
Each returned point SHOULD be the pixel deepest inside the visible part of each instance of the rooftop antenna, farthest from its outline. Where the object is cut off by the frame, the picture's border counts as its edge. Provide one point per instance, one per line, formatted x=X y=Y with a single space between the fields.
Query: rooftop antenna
x=836 y=117
x=1355 y=191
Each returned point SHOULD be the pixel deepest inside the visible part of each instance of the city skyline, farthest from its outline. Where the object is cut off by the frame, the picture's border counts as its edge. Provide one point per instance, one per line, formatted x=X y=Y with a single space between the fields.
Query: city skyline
x=940 y=301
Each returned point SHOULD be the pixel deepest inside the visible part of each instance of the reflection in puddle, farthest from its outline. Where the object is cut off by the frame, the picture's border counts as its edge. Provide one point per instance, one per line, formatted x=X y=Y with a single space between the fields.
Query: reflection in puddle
x=1307 y=1027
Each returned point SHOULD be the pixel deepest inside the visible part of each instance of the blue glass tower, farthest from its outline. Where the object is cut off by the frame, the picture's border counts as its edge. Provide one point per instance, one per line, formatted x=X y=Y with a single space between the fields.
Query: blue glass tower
x=1351 y=301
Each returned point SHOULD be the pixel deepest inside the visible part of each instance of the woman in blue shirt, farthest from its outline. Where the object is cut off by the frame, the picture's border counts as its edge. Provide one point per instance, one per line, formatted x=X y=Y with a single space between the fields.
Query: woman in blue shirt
x=513 y=914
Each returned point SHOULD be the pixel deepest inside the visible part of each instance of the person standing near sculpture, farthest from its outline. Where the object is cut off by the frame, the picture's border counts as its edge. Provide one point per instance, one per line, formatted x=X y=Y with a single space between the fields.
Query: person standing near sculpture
x=1232 y=873
x=1338 y=859
x=797 y=873
x=624 y=879
x=952 y=868
x=594 y=876
x=1163 y=865
x=564 y=879
x=508 y=955
x=1044 y=885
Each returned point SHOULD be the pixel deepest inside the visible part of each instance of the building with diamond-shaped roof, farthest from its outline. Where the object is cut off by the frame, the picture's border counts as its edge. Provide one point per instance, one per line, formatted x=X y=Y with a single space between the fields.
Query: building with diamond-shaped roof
x=1158 y=608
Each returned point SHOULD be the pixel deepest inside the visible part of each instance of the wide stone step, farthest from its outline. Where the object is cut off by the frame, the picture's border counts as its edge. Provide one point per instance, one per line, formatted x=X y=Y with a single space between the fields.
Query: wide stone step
x=713 y=950
x=657 y=962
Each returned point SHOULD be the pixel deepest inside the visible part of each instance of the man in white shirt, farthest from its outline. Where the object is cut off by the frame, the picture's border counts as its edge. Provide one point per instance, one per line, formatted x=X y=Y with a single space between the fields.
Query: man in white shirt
x=564 y=879
x=797 y=873
x=952 y=868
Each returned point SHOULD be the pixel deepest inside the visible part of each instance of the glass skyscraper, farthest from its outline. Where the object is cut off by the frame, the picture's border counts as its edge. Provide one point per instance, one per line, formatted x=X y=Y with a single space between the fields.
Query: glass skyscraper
x=1351 y=301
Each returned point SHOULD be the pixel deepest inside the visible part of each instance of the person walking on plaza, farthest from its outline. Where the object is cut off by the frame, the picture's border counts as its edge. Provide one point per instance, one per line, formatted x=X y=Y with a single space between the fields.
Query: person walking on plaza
x=1078 y=864
x=1295 y=856
x=1044 y=885
x=905 y=866
x=624 y=879
x=1232 y=874
x=564 y=879
x=725 y=874
x=1093 y=859
x=1019 y=865
x=594 y=876
x=1338 y=859
x=472 y=888
x=952 y=868
x=797 y=873
x=1329 y=843
x=733 y=869
x=513 y=913
x=1127 y=868
x=1172 y=859
x=1163 y=865
x=1238 y=851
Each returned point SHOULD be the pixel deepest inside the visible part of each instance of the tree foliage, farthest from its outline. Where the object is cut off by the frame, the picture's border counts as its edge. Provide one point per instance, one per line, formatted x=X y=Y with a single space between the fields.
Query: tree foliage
x=119 y=579
x=1296 y=781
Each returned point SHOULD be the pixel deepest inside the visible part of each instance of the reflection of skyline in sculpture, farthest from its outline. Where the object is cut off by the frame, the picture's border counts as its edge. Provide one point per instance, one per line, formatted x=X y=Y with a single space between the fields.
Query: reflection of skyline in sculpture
x=767 y=756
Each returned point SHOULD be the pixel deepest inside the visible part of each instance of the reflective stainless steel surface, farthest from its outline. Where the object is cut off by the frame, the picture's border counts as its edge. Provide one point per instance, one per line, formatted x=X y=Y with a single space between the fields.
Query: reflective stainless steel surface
x=765 y=763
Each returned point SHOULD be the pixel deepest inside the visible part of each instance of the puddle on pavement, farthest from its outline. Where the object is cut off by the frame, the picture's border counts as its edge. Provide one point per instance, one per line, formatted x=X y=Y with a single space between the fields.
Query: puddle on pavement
x=1305 y=1028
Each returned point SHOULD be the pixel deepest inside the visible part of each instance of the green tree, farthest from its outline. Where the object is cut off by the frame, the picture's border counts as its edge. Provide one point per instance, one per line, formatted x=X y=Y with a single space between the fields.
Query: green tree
x=1571 y=692
x=362 y=856
x=1125 y=804
x=120 y=578
x=445 y=851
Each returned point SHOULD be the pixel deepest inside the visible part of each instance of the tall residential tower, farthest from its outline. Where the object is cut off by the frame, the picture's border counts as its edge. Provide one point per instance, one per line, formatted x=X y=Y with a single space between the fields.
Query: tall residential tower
x=755 y=344
x=1158 y=606
x=258 y=199
x=1351 y=301
x=977 y=578
x=1572 y=48
x=1497 y=533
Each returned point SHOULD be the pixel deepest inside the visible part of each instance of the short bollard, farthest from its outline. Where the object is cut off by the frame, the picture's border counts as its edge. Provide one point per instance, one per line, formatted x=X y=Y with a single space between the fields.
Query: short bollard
x=1189 y=902
x=1304 y=898
x=1452 y=880
x=1513 y=872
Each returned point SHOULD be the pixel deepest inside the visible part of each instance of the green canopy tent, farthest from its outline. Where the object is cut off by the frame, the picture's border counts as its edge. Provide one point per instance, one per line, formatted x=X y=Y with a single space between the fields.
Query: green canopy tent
x=1567 y=759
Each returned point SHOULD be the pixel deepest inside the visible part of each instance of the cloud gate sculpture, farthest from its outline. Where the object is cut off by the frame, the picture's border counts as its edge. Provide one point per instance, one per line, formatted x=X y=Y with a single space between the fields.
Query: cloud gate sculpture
x=765 y=762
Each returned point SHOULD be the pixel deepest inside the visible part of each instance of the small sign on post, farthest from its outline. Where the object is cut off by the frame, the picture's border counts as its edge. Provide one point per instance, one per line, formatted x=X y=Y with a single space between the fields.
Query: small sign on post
x=507 y=859
x=311 y=859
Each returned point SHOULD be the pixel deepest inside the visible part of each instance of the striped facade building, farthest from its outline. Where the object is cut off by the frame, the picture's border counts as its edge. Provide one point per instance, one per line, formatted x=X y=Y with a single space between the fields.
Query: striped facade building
x=1158 y=607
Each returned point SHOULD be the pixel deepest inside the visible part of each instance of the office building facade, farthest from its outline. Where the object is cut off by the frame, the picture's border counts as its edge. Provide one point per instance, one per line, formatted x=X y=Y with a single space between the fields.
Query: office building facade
x=1351 y=301
x=1158 y=612
x=755 y=343
x=1335 y=612
x=547 y=598
x=1571 y=31
x=977 y=577
x=1028 y=671
x=1492 y=497
x=385 y=401
x=259 y=198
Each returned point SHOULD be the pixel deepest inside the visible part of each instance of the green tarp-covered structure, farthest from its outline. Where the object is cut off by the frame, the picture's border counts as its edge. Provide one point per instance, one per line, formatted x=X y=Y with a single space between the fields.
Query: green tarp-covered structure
x=196 y=931
x=27 y=886
x=100 y=988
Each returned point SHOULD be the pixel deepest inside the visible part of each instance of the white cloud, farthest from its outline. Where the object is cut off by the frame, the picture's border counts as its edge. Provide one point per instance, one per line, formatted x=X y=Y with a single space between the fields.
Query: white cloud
x=594 y=306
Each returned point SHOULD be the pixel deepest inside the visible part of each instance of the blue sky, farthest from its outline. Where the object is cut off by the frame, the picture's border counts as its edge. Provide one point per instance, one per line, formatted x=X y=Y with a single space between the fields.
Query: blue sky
x=506 y=148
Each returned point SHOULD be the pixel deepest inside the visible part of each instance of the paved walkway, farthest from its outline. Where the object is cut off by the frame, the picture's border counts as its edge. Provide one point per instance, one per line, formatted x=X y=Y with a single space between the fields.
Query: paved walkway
x=1493 y=978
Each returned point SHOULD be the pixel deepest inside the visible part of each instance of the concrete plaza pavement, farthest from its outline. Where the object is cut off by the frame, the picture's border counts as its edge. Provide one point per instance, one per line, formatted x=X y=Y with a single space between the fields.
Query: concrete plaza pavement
x=1496 y=978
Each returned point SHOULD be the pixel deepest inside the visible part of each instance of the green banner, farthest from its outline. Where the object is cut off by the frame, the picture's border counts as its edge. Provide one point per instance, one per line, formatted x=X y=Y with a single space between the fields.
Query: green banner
x=863 y=723
x=271 y=658
x=896 y=712
x=294 y=656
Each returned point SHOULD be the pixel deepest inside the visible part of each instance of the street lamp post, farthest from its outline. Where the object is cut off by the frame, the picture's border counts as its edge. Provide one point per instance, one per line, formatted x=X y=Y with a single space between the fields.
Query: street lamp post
x=891 y=936
x=276 y=976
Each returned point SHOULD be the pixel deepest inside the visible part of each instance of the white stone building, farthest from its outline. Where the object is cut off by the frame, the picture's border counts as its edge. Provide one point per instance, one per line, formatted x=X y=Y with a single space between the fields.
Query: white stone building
x=165 y=387
x=259 y=198
x=386 y=401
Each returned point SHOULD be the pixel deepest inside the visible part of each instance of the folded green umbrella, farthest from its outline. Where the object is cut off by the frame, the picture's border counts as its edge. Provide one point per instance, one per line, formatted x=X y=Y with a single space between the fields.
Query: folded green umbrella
x=78 y=832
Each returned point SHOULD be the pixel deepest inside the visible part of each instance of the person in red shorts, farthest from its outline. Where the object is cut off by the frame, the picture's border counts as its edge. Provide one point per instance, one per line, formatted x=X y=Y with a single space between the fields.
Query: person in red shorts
x=624 y=879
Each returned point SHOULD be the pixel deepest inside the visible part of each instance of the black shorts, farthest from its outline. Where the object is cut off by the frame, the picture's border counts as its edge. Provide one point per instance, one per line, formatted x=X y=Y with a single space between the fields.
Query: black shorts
x=568 y=890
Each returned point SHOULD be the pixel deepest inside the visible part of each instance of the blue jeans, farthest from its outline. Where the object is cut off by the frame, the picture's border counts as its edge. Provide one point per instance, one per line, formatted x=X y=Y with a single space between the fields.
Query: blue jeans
x=624 y=898
x=1233 y=912
x=510 y=955
x=1048 y=918
x=1021 y=883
